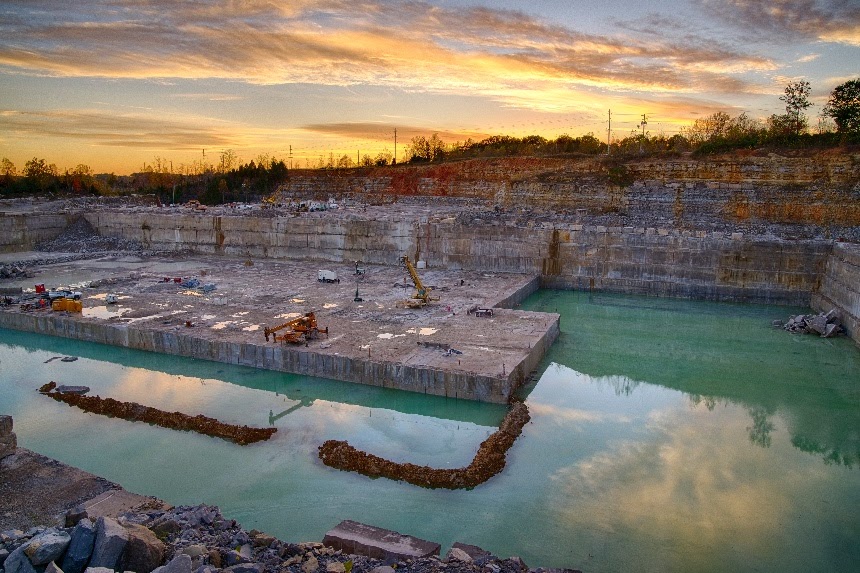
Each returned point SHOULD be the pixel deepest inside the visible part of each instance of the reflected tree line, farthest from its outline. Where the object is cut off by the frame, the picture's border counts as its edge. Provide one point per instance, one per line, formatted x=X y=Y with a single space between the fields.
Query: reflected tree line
x=762 y=427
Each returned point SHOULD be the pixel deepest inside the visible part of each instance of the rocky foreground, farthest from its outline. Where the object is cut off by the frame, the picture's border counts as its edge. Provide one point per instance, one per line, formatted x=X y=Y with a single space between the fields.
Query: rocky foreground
x=199 y=539
x=152 y=537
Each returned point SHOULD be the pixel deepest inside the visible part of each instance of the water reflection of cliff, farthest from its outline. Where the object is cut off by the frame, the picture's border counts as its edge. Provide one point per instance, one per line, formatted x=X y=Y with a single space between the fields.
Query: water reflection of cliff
x=718 y=353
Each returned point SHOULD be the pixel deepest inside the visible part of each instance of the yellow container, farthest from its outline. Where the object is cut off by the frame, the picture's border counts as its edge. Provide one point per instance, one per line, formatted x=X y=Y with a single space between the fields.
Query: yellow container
x=67 y=304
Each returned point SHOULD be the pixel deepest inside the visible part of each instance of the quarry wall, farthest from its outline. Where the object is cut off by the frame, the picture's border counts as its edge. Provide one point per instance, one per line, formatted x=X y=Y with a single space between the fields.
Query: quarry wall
x=840 y=288
x=653 y=261
x=823 y=190
x=22 y=232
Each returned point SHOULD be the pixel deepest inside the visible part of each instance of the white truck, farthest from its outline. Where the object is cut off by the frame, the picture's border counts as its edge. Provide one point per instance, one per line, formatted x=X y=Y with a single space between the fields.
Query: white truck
x=327 y=277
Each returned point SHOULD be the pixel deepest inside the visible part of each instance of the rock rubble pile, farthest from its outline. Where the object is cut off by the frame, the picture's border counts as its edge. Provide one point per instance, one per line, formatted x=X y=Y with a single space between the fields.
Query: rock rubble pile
x=198 y=539
x=15 y=271
x=823 y=324
x=81 y=237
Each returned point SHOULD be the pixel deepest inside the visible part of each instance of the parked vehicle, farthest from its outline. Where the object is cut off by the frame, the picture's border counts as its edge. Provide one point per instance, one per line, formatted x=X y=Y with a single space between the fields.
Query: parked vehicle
x=53 y=295
x=324 y=276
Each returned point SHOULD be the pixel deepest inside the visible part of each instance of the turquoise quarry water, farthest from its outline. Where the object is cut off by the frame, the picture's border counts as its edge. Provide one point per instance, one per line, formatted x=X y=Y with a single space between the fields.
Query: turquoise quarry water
x=666 y=436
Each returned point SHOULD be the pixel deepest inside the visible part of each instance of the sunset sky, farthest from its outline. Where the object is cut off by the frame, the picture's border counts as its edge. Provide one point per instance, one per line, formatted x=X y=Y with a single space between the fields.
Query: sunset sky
x=114 y=84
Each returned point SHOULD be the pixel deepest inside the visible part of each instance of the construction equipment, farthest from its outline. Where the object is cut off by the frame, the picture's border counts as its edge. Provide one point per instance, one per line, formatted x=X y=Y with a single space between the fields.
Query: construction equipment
x=301 y=329
x=422 y=293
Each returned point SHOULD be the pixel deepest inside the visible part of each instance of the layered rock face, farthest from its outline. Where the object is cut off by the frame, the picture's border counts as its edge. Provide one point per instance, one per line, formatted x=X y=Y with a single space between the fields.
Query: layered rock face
x=819 y=191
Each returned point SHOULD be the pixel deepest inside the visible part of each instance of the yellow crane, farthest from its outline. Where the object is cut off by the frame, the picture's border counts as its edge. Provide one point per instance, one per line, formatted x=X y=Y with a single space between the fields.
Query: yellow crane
x=422 y=293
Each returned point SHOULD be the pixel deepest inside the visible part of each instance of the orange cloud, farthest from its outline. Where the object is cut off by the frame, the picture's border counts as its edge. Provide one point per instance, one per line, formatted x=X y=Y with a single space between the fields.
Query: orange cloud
x=505 y=55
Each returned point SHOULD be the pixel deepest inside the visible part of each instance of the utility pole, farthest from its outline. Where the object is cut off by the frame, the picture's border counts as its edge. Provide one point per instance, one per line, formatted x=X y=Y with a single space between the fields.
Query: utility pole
x=609 y=134
x=642 y=125
x=395 y=147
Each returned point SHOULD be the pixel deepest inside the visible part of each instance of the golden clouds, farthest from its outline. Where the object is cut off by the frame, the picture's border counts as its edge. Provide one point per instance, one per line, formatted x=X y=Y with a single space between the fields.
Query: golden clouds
x=111 y=129
x=507 y=56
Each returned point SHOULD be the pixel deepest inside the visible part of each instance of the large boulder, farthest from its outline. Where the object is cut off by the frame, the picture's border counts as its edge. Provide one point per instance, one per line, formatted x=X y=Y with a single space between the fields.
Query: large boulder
x=245 y=568
x=47 y=546
x=111 y=539
x=242 y=554
x=361 y=539
x=81 y=547
x=179 y=564
x=143 y=552
x=18 y=562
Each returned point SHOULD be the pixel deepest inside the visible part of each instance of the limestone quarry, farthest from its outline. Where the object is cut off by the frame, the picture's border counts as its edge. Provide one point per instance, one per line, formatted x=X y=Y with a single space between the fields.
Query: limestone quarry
x=483 y=235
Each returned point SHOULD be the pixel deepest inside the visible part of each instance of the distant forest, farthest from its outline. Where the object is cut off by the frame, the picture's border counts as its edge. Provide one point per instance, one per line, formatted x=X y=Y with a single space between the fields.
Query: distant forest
x=231 y=181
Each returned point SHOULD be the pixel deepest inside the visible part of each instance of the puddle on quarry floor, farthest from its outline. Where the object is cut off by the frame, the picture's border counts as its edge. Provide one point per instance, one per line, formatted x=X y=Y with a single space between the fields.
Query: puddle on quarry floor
x=665 y=435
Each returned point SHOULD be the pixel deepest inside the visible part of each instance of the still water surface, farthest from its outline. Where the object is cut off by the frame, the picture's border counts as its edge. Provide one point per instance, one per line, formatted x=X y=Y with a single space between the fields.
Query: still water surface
x=666 y=436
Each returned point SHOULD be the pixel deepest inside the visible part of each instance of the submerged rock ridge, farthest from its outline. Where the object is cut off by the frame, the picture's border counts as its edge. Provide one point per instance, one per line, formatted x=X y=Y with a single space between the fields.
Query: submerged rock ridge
x=133 y=412
x=489 y=460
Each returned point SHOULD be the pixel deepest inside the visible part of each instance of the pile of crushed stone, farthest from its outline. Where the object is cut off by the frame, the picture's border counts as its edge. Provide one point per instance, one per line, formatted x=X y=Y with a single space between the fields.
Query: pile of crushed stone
x=81 y=237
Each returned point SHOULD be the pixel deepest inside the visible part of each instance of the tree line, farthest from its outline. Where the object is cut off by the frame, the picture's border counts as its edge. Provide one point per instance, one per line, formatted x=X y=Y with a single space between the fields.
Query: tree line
x=839 y=124
x=225 y=182
x=229 y=180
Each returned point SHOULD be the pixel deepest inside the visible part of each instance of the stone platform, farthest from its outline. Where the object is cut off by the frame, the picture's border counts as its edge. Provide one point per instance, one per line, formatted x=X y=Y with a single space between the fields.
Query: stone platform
x=440 y=349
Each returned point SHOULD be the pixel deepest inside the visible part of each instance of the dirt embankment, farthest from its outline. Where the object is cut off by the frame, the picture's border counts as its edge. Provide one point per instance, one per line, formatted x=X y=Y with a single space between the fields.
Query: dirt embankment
x=489 y=460
x=134 y=412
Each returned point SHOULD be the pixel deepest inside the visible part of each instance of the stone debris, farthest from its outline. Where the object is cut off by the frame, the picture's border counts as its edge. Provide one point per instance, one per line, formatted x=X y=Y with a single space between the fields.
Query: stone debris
x=134 y=412
x=15 y=271
x=198 y=539
x=823 y=324
x=489 y=460
x=81 y=237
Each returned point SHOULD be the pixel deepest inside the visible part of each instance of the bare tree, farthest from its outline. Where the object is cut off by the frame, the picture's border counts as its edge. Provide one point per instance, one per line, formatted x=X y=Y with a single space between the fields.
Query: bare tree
x=228 y=162
x=796 y=100
x=7 y=168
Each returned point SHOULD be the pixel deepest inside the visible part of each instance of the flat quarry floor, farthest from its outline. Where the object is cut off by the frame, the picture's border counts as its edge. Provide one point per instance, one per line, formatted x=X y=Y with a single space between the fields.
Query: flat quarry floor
x=252 y=294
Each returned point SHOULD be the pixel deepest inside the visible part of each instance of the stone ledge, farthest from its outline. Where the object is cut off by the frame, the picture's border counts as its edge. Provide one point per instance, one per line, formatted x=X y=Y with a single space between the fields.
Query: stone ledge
x=360 y=539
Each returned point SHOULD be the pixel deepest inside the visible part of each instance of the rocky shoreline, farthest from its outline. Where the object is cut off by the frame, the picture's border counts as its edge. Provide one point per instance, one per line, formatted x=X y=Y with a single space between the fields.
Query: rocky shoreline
x=199 y=539
x=63 y=520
